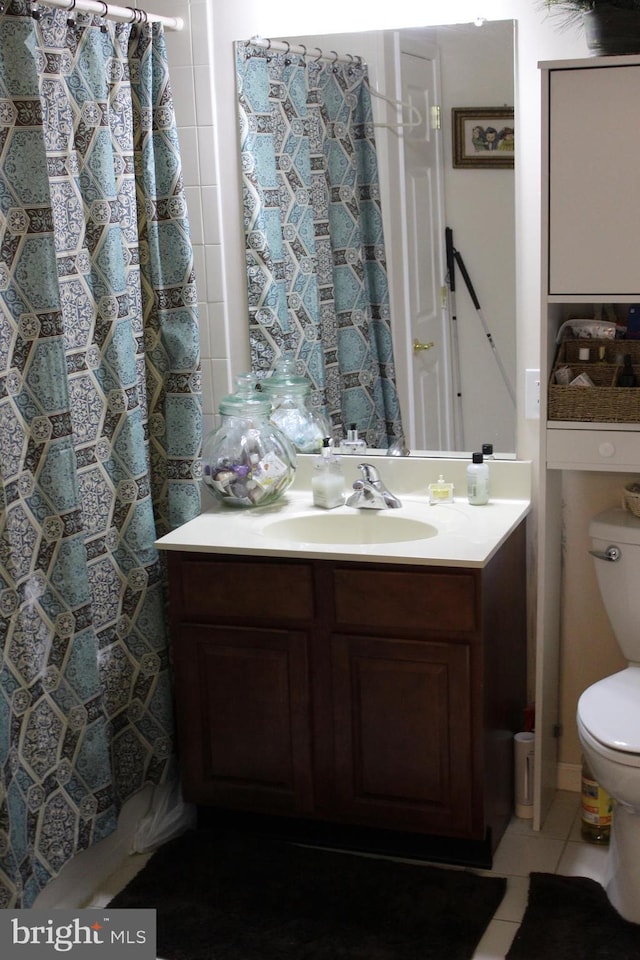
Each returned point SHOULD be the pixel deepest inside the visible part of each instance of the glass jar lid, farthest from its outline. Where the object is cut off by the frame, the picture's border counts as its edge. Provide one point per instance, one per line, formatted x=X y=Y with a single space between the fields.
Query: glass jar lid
x=246 y=401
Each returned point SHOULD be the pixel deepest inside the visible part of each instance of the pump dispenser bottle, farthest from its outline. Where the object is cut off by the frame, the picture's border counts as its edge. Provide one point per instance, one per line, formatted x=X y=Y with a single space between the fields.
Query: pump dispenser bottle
x=327 y=482
x=478 y=481
x=353 y=443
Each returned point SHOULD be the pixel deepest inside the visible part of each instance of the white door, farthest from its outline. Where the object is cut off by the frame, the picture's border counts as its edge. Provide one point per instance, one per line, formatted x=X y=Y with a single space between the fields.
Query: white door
x=430 y=368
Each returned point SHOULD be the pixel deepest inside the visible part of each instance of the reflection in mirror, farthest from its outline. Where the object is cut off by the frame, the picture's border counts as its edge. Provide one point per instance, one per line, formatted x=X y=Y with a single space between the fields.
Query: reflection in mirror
x=455 y=355
x=314 y=249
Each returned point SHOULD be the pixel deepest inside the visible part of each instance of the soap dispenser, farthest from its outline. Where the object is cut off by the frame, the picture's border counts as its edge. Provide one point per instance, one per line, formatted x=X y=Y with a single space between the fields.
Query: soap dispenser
x=353 y=444
x=327 y=482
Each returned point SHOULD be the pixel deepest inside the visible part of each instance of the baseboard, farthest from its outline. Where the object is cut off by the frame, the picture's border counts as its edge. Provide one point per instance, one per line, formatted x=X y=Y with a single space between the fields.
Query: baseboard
x=569 y=777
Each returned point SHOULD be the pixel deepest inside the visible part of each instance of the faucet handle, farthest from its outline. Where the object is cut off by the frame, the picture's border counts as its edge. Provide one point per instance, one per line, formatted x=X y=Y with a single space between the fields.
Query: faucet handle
x=369 y=472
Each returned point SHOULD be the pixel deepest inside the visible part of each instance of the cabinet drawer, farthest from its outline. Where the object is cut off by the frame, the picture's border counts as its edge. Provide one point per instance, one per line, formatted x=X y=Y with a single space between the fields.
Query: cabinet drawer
x=593 y=449
x=211 y=589
x=404 y=599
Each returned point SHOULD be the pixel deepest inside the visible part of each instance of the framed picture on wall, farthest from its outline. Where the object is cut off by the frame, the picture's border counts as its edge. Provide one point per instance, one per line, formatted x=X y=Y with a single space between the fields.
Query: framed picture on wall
x=483 y=136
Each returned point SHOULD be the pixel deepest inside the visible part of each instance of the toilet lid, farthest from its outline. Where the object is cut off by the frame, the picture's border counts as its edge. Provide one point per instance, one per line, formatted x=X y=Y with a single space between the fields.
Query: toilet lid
x=610 y=710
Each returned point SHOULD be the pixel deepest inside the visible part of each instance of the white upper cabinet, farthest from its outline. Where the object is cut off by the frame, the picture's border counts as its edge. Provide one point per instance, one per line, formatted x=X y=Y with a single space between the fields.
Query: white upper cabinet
x=594 y=181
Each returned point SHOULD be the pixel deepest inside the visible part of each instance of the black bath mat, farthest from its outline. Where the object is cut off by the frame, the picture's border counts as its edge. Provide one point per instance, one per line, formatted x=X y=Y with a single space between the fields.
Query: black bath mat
x=231 y=896
x=571 y=917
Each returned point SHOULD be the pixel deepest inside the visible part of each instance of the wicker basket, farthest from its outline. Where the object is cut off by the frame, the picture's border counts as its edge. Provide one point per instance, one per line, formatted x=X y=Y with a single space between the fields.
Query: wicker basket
x=604 y=402
x=631 y=499
x=614 y=351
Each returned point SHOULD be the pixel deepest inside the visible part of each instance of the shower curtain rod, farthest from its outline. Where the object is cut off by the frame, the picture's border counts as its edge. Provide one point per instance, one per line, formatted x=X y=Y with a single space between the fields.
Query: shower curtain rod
x=284 y=46
x=110 y=12
x=315 y=53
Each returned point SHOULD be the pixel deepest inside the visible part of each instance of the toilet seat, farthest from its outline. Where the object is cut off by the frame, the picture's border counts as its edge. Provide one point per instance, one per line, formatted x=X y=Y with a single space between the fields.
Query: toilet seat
x=609 y=711
x=618 y=757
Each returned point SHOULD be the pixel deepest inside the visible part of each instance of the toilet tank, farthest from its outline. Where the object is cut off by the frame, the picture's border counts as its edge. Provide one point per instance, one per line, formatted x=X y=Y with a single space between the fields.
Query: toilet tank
x=619 y=580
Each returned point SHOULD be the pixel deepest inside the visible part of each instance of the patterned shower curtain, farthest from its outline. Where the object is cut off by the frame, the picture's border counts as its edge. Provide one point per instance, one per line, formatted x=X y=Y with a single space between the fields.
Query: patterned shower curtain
x=99 y=428
x=315 y=257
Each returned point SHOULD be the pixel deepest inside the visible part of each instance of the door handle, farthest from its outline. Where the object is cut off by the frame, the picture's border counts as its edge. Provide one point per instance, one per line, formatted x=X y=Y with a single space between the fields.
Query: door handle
x=611 y=553
x=417 y=346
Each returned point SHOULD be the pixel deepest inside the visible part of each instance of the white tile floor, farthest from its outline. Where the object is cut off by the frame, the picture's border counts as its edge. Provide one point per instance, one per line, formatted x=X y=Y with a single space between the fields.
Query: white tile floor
x=557 y=848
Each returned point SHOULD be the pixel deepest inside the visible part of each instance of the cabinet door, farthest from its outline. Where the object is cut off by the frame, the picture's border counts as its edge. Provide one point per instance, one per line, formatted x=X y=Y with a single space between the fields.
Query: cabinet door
x=594 y=181
x=243 y=717
x=402 y=734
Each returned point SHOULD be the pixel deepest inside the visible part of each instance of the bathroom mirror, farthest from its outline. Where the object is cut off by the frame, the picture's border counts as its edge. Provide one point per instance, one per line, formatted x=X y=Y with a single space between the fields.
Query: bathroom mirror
x=455 y=352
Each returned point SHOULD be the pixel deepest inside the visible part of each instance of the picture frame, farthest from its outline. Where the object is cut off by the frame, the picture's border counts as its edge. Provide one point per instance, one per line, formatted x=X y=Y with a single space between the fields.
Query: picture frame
x=483 y=137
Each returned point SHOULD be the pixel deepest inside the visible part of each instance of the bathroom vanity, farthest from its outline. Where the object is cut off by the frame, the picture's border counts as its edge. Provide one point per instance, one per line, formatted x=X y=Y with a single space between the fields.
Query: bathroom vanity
x=352 y=691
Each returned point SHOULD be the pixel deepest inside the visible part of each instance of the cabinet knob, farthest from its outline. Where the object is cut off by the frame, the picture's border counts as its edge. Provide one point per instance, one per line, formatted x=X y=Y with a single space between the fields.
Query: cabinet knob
x=606 y=449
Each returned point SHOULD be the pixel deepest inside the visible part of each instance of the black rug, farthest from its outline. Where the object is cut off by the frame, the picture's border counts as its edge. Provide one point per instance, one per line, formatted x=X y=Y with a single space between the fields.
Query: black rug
x=571 y=917
x=237 y=897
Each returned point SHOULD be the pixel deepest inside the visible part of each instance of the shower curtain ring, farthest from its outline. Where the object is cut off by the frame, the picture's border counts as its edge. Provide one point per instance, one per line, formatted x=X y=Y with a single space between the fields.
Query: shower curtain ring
x=134 y=14
x=105 y=10
x=304 y=50
x=70 y=20
x=144 y=15
x=335 y=56
x=320 y=55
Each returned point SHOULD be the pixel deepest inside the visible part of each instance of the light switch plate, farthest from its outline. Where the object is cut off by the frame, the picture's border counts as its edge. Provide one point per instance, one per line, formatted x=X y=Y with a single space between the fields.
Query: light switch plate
x=532 y=395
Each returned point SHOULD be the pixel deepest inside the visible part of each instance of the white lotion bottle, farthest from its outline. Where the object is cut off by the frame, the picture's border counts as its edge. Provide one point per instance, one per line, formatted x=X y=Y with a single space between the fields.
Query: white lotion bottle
x=327 y=482
x=478 y=481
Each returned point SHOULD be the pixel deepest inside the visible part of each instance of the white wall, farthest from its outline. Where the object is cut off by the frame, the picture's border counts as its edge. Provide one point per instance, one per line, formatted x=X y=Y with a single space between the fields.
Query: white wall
x=476 y=71
x=202 y=61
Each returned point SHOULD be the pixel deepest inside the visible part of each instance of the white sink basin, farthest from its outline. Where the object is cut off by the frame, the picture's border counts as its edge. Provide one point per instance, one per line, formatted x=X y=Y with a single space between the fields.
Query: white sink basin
x=367 y=526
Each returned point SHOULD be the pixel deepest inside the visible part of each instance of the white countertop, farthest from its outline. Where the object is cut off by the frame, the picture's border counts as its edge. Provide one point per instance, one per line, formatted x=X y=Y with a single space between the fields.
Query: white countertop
x=467 y=536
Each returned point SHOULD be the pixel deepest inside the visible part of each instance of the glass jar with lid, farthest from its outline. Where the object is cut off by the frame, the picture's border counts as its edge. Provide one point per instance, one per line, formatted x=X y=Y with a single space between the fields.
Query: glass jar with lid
x=291 y=409
x=247 y=460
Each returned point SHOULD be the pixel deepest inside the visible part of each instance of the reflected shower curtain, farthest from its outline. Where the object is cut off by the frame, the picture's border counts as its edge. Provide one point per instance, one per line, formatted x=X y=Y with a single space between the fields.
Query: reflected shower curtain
x=99 y=428
x=315 y=257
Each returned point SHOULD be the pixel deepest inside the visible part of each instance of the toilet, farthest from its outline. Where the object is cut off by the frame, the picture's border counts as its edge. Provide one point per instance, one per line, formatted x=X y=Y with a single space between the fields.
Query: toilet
x=608 y=713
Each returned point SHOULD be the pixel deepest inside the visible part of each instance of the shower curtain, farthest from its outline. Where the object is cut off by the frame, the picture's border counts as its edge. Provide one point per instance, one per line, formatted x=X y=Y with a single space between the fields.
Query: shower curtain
x=315 y=257
x=99 y=428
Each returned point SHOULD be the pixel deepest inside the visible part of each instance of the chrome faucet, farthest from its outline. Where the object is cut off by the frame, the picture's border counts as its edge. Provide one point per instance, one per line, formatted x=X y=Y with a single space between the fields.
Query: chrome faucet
x=370 y=492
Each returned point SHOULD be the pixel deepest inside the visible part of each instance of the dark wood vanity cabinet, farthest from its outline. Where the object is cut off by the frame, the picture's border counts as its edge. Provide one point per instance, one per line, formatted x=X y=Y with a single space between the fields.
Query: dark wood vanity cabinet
x=378 y=696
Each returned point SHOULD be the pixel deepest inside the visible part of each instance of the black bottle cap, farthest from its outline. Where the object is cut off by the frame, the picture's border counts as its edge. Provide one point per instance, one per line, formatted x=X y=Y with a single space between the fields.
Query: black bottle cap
x=487 y=449
x=477 y=458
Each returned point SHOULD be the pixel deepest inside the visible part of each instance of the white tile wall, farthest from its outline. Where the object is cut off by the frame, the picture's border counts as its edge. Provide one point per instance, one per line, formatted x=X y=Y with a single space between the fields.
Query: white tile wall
x=190 y=52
